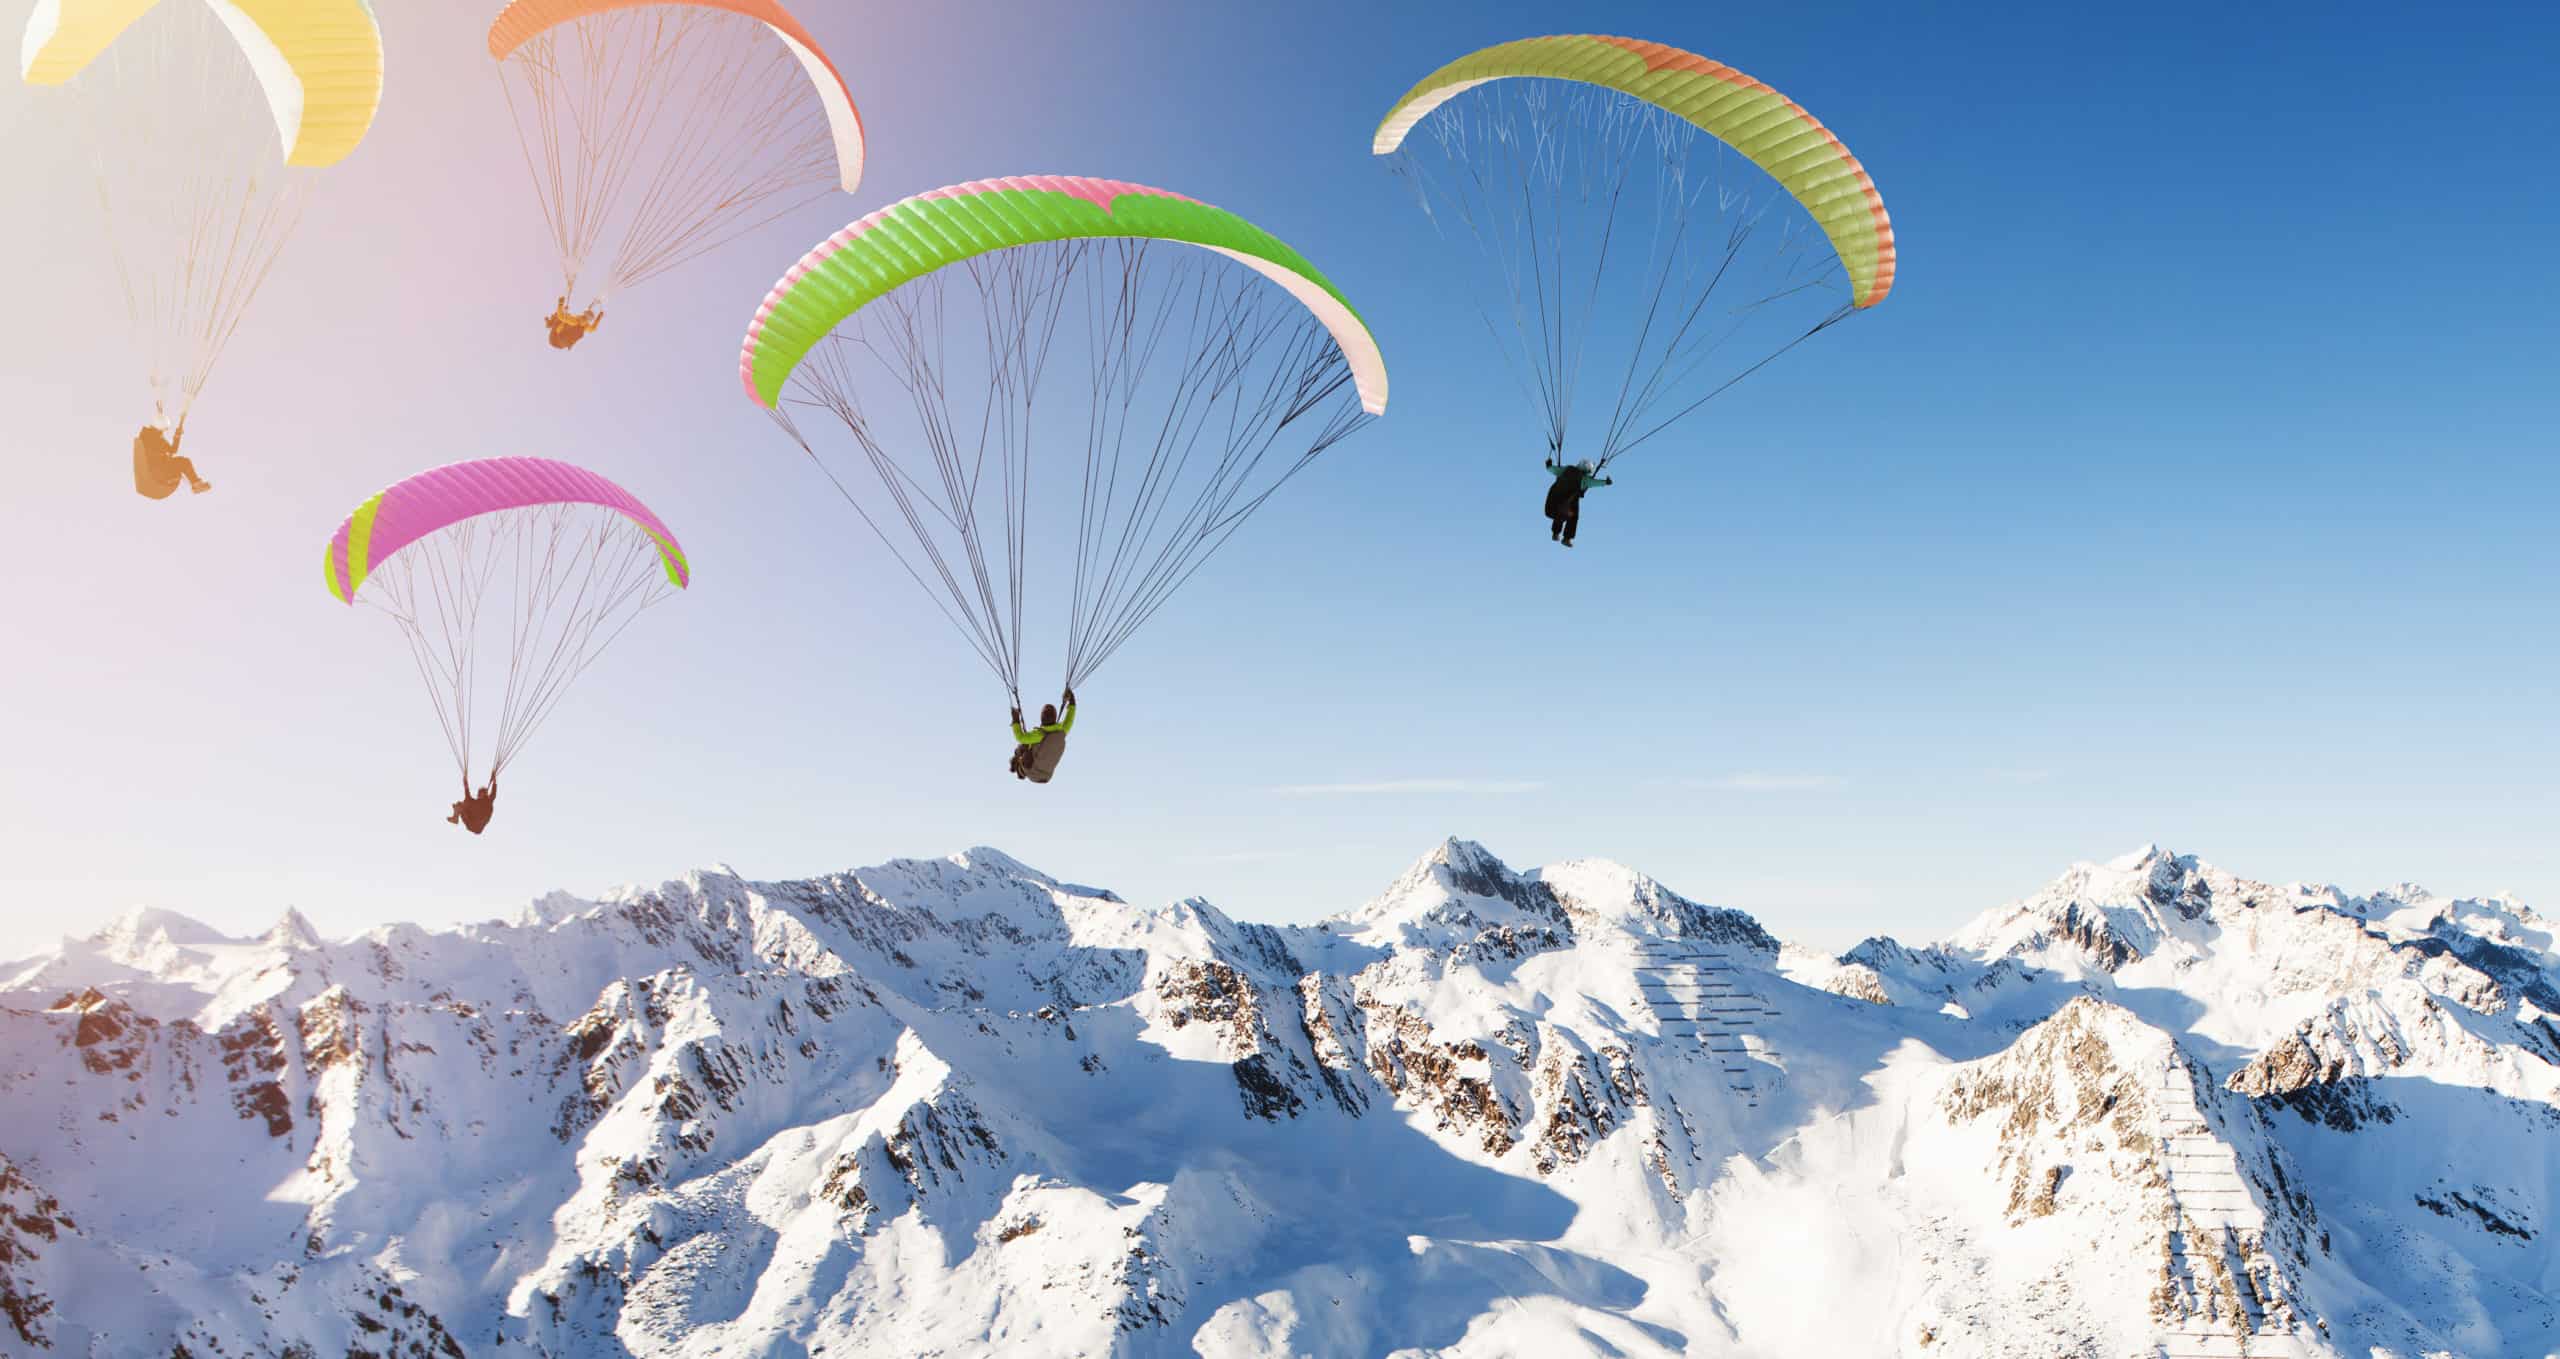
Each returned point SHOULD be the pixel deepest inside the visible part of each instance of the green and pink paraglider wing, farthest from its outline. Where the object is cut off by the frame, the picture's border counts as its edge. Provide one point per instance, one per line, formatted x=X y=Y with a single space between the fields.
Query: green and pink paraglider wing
x=444 y=496
x=918 y=235
x=1772 y=130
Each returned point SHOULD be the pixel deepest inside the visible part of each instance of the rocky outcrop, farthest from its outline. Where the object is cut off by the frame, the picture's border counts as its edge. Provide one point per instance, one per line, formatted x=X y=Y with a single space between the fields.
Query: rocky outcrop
x=2328 y=1069
x=1581 y=1098
x=1268 y=1072
x=2064 y=1091
x=1857 y=981
x=934 y=1145
x=1450 y=1081
x=30 y=1222
x=1336 y=1036
x=255 y=1060
x=110 y=1038
x=2093 y=1094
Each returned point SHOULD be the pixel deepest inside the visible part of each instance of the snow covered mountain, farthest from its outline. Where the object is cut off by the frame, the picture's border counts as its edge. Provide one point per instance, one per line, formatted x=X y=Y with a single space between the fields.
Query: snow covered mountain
x=958 y=1107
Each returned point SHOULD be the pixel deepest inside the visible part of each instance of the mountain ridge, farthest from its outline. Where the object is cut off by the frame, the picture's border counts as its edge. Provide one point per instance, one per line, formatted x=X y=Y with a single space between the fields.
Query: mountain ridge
x=957 y=1104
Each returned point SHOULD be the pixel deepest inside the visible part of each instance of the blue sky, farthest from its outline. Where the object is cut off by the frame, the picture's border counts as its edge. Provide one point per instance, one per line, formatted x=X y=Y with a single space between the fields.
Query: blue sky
x=2194 y=485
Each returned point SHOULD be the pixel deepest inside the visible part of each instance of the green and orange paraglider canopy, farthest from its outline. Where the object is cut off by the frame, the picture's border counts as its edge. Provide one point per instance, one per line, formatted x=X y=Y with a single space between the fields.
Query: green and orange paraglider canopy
x=1772 y=130
x=1634 y=196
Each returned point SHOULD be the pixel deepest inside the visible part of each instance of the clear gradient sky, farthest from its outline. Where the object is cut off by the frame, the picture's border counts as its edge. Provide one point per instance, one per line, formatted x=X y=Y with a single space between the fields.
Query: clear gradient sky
x=2196 y=484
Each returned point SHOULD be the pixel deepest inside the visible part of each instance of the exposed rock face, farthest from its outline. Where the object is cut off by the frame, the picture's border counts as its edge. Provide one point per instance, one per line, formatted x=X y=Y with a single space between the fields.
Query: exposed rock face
x=1336 y=1038
x=390 y=1324
x=1858 y=981
x=1450 y=1081
x=255 y=1060
x=2064 y=1087
x=30 y=1221
x=2335 y=1067
x=110 y=1037
x=933 y=1146
x=2328 y=1048
x=2094 y=1104
x=1584 y=1098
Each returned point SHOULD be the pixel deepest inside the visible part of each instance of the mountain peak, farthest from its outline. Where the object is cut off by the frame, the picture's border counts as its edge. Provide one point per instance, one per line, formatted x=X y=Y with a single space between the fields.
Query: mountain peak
x=549 y=909
x=2139 y=859
x=153 y=939
x=292 y=930
x=1452 y=868
x=138 y=925
x=989 y=859
x=1465 y=867
x=2112 y=913
x=1603 y=893
x=1465 y=856
x=1453 y=895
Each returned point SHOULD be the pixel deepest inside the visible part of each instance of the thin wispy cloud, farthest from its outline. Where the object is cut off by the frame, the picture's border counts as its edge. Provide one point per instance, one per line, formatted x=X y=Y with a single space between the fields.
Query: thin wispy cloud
x=1389 y=786
x=1755 y=782
x=1239 y=856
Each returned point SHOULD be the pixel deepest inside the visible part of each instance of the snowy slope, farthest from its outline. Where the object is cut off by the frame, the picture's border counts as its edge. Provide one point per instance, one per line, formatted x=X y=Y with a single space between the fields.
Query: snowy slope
x=958 y=1107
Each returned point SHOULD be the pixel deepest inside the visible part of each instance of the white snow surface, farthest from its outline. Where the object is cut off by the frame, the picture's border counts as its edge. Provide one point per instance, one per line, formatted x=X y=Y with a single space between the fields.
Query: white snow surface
x=958 y=1107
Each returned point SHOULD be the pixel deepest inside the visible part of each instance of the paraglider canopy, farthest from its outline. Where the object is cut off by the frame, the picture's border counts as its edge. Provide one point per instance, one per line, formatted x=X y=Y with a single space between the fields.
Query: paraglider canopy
x=188 y=122
x=656 y=131
x=1640 y=200
x=319 y=62
x=523 y=564
x=444 y=496
x=523 y=20
x=915 y=236
x=1772 y=130
x=925 y=329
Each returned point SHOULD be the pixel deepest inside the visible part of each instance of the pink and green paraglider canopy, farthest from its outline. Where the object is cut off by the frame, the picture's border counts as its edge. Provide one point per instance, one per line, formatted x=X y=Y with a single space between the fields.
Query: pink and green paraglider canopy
x=443 y=496
x=915 y=236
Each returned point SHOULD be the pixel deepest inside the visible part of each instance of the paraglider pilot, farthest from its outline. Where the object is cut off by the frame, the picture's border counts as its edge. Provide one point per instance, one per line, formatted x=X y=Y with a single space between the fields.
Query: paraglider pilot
x=472 y=813
x=1036 y=752
x=1564 y=498
x=567 y=328
x=157 y=468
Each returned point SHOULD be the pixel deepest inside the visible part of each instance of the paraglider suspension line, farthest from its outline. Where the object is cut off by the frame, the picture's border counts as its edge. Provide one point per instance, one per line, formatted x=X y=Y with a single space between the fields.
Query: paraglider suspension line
x=1197 y=373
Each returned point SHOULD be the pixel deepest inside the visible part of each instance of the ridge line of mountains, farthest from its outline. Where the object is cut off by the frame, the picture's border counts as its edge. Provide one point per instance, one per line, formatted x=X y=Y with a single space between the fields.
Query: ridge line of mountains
x=957 y=1106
